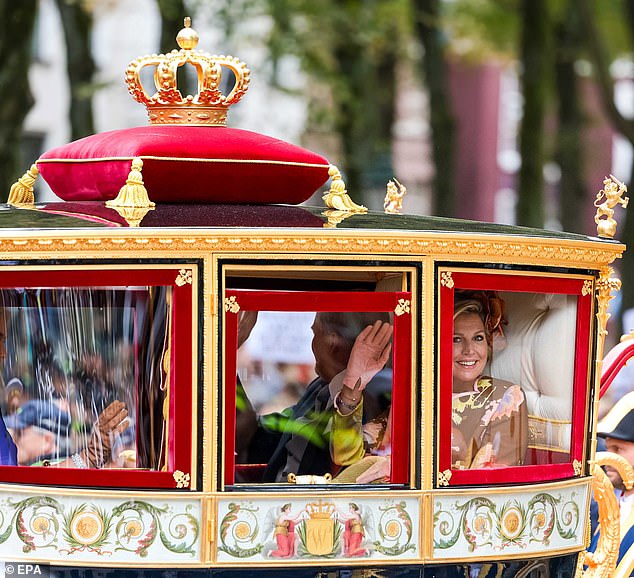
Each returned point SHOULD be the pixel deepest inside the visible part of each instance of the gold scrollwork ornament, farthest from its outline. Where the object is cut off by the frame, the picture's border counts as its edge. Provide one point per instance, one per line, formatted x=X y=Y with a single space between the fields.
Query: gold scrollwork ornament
x=446 y=279
x=444 y=477
x=231 y=305
x=403 y=306
x=184 y=277
x=182 y=479
x=602 y=562
x=605 y=286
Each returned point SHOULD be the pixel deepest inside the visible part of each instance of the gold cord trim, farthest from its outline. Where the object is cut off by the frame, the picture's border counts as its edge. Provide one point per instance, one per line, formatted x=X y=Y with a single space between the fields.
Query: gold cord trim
x=549 y=420
x=189 y=159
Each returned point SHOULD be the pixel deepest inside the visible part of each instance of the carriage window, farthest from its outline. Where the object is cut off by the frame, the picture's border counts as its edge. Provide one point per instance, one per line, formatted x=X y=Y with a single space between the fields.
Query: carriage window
x=73 y=359
x=87 y=379
x=513 y=368
x=318 y=380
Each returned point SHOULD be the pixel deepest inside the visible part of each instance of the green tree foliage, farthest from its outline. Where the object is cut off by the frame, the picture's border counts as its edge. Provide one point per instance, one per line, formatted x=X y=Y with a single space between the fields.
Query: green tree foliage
x=549 y=40
x=17 y=21
x=352 y=48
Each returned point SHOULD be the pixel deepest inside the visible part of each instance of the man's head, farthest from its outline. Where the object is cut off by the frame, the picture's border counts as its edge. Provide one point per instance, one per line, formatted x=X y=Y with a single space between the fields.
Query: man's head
x=333 y=337
x=617 y=427
x=39 y=428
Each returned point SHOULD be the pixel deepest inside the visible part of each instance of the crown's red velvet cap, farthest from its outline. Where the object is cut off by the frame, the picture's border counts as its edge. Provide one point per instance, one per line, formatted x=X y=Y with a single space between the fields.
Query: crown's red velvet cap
x=186 y=164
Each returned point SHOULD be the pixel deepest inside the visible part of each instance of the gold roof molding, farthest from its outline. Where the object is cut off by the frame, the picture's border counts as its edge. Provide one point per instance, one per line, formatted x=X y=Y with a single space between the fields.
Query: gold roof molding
x=521 y=251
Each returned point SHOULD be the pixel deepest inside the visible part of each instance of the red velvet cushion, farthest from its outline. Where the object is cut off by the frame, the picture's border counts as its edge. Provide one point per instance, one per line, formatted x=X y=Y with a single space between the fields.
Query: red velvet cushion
x=186 y=164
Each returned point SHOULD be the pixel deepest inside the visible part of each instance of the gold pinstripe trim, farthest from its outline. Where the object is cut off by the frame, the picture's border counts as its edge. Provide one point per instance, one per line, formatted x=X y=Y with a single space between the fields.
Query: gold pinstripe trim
x=549 y=420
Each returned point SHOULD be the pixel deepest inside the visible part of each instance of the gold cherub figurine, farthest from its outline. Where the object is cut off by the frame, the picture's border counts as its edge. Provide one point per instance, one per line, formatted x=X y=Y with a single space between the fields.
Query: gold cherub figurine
x=607 y=198
x=393 y=202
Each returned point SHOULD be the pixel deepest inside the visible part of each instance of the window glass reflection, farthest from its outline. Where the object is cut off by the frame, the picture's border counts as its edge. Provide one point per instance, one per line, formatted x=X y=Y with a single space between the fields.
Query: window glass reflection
x=307 y=404
x=513 y=374
x=85 y=375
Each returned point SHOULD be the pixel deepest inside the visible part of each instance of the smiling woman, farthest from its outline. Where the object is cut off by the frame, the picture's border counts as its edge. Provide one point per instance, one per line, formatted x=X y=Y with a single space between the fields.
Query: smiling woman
x=489 y=417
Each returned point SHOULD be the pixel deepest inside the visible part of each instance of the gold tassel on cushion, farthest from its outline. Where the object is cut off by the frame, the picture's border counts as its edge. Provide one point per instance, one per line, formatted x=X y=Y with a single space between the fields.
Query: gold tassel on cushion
x=133 y=194
x=132 y=202
x=21 y=192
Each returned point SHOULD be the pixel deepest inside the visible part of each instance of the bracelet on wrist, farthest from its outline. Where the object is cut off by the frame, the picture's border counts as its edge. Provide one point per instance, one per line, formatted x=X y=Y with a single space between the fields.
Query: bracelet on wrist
x=348 y=400
x=348 y=408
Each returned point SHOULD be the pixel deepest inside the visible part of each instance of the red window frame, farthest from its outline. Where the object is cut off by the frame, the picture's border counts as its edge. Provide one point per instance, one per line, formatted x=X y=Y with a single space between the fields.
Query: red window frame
x=180 y=438
x=523 y=283
x=308 y=301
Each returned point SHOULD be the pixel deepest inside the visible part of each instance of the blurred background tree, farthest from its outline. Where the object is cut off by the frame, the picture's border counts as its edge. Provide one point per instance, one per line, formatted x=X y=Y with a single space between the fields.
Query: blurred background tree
x=352 y=55
x=17 y=21
x=349 y=50
x=77 y=20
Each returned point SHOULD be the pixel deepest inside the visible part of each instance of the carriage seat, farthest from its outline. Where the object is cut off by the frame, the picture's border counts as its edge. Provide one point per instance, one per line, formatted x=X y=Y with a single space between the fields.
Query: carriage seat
x=538 y=353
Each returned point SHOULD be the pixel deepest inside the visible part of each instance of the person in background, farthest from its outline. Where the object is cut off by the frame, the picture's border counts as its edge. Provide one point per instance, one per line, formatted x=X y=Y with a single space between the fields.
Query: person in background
x=41 y=431
x=617 y=429
x=8 y=449
x=14 y=391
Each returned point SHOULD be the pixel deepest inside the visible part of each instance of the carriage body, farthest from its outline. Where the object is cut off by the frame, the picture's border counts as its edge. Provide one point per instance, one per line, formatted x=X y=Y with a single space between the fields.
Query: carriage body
x=162 y=301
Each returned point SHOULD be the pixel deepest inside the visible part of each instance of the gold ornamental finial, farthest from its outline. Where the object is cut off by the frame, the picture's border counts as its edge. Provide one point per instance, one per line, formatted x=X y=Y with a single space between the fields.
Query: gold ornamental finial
x=167 y=105
x=337 y=197
x=607 y=198
x=187 y=38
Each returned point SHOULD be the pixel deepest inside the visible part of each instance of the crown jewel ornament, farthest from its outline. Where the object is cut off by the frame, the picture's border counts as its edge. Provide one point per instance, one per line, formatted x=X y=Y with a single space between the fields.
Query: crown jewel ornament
x=167 y=105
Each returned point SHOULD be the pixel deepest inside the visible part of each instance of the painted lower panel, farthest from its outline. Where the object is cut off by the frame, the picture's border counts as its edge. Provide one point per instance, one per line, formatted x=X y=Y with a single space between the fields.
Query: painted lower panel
x=502 y=525
x=325 y=529
x=81 y=530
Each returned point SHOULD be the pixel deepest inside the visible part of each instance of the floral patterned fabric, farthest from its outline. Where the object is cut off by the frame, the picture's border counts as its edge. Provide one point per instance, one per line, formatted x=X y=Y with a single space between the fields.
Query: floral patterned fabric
x=489 y=425
x=358 y=445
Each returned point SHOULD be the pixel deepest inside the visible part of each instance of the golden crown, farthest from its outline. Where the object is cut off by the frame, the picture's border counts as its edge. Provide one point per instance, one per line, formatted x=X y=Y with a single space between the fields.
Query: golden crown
x=320 y=510
x=168 y=106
